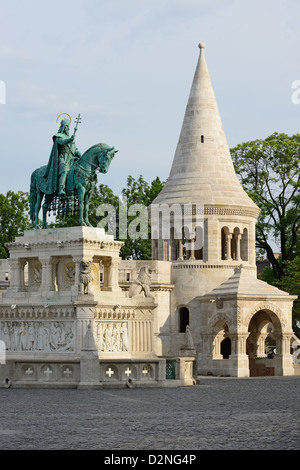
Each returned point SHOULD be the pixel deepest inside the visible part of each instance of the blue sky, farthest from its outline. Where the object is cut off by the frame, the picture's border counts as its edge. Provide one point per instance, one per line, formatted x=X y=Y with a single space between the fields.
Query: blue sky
x=127 y=68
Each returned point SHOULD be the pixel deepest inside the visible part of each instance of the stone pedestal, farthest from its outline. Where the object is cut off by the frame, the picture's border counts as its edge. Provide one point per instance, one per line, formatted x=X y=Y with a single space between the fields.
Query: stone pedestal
x=89 y=363
x=70 y=324
x=63 y=262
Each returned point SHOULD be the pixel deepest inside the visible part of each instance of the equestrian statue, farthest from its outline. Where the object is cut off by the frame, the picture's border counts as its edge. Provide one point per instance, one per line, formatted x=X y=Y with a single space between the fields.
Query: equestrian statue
x=67 y=182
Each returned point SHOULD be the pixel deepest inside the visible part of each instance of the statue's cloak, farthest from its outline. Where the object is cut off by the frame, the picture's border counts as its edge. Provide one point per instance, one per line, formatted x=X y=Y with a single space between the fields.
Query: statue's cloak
x=48 y=177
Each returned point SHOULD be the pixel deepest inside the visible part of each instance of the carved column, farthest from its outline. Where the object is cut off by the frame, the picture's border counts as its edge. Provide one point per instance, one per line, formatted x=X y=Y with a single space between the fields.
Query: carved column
x=55 y=261
x=180 y=250
x=286 y=343
x=85 y=315
x=165 y=250
x=75 y=287
x=192 y=250
x=47 y=275
x=22 y=278
x=254 y=340
x=238 y=354
x=285 y=357
x=111 y=274
x=155 y=249
x=115 y=274
x=238 y=247
x=261 y=345
x=217 y=347
x=15 y=280
x=170 y=249
x=106 y=269
x=228 y=244
x=17 y=273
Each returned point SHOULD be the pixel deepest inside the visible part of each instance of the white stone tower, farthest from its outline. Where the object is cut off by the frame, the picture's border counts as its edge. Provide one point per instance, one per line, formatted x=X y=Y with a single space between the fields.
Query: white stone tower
x=203 y=183
x=204 y=223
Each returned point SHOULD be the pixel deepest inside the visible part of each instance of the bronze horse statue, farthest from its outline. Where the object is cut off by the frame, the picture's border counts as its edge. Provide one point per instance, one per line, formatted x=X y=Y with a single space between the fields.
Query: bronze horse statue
x=80 y=182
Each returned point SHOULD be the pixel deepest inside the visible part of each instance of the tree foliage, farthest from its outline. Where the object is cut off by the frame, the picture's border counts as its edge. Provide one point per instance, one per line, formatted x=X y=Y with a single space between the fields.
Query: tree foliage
x=138 y=191
x=14 y=218
x=289 y=282
x=269 y=171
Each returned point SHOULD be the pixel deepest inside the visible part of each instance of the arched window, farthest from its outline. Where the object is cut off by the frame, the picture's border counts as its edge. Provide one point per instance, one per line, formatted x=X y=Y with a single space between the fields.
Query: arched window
x=235 y=244
x=174 y=249
x=186 y=242
x=184 y=319
x=226 y=347
x=244 y=245
x=199 y=239
x=224 y=247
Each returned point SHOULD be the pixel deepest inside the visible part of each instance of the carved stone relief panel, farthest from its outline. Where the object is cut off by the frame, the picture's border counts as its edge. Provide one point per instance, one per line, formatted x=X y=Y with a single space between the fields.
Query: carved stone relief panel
x=69 y=274
x=111 y=336
x=35 y=274
x=38 y=336
x=96 y=275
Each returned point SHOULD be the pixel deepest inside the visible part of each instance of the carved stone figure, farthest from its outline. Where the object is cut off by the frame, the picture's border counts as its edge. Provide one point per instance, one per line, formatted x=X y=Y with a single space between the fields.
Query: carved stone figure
x=85 y=276
x=88 y=340
x=188 y=340
x=142 y=283
x=36 y=275
x=61 y=158
x=112 y=337
x=124 y=337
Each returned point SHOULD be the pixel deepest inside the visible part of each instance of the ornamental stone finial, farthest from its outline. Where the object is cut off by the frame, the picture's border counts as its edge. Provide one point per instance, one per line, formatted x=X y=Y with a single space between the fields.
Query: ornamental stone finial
x=201 y=45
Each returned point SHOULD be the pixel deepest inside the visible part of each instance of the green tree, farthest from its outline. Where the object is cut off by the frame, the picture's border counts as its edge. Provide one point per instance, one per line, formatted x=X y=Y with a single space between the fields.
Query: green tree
x=139 y=191
x=14 y=218
x=289 y=282
x=269 y=171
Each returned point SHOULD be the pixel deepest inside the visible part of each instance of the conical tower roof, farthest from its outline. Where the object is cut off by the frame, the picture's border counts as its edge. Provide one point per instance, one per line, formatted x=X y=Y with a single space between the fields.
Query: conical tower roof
x=202 y=171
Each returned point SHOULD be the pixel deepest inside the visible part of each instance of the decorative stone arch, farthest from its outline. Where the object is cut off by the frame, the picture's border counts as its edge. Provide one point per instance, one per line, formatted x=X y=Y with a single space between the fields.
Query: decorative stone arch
x=275 y=312
x=264 y=330
x=221 y=341
x=218 y=319
x=268 y=343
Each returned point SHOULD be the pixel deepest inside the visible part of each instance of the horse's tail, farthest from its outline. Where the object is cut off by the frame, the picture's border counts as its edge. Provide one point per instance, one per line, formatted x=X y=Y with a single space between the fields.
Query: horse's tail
x=32 y=196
